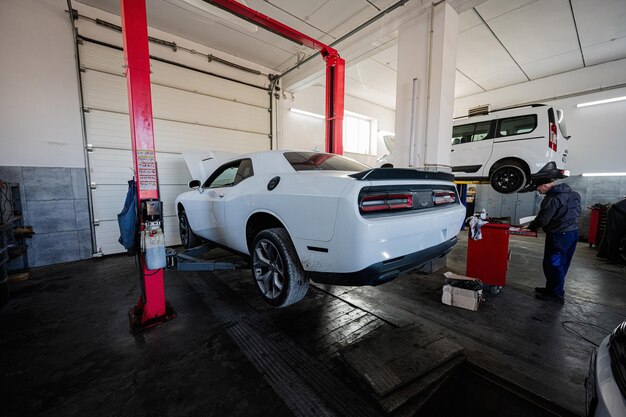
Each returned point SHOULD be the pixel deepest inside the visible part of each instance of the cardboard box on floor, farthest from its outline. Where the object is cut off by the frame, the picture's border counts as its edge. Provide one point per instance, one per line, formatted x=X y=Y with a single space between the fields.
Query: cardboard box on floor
x=460 y=297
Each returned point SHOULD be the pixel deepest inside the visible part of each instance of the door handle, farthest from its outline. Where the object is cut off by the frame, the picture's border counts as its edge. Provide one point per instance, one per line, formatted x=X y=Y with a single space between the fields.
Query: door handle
x=220 y=195
x=451 y=150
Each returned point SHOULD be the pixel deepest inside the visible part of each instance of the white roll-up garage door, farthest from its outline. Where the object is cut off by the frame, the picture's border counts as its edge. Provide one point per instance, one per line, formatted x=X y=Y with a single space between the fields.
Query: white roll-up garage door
x=191 y=110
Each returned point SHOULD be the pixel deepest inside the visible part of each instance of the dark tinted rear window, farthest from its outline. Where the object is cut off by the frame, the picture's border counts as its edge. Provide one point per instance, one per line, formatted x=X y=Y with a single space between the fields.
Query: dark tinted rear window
x=308 y=161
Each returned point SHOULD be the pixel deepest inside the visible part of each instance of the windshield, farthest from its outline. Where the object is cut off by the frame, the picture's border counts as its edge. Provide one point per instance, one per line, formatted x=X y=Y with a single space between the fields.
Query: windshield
x=308 y=161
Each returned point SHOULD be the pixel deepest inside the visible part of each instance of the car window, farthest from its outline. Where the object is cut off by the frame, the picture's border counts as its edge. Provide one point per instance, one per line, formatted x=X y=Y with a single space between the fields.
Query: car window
x=472 y=132
x=243 y=171
x=517 y=125
x=308 y=161
x=230 y=174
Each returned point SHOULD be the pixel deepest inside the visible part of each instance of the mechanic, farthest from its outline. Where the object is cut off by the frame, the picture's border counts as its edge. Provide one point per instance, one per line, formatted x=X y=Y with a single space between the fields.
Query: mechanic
x=558 y=217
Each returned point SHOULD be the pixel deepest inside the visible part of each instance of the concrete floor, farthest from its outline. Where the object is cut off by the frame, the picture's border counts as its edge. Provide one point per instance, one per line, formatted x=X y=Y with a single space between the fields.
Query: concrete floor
x=65 y=348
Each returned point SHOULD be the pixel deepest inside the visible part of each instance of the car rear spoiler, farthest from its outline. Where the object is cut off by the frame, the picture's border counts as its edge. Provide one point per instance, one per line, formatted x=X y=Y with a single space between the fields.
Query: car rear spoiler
x=401 y=174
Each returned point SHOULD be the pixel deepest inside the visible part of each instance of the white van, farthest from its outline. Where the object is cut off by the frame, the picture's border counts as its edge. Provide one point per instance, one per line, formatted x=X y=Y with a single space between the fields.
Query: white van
x=510 y=147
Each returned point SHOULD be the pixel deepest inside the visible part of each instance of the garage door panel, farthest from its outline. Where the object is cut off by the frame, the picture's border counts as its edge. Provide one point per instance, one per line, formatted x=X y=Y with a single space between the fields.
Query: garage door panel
x=108 y=200
x=108 y=232
x=177 y=137
x=114 y=166
x=102 y=58
x=104 y=91
x=108 y=92
x=107 y=235
x=106 y=129
x=112 y=130
x=172 y=169
x=172 y=236
x=168 y=103
x=110 y=166
x=110 y=60
x=168 y=197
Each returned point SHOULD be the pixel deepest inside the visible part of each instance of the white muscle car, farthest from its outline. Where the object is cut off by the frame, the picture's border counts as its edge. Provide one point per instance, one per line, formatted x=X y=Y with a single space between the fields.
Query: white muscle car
x=304 y=215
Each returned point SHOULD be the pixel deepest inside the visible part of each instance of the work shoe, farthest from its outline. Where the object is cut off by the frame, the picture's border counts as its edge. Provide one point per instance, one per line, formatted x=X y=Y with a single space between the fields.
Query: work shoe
x=542 y=290
x=550 y=297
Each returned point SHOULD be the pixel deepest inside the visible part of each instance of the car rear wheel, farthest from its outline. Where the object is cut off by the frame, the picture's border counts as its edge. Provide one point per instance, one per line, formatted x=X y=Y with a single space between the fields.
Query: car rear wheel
x=276 y=269
x=187 y=237
x=509 y=178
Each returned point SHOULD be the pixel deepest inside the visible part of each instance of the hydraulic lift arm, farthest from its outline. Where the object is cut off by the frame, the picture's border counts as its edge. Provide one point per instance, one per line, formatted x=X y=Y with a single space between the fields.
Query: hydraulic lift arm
x=335 y=67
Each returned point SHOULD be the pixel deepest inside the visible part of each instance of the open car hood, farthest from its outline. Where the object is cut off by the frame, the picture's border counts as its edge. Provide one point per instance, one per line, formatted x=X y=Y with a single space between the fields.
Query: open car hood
x=201 y=164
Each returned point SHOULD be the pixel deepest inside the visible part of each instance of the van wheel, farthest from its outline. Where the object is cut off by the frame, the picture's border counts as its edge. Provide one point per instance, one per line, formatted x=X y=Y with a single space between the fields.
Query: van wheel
x=509 y=178
x=276 y=268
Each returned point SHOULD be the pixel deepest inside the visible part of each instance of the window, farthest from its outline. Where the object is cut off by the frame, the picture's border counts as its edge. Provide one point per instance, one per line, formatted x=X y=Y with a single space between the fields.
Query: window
x=472 y=132
x=357 y=135
x=517 y=125
x=308 y=161
x=230 y=174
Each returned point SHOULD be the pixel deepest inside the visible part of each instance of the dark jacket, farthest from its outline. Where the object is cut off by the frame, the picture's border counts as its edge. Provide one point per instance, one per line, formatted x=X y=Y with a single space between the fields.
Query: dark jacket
x=559 y=211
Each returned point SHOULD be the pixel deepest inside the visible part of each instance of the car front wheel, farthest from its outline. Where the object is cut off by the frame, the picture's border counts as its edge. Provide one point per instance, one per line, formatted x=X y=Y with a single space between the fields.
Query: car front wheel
x=187 y=237
x=276 y=269
x=509 y=178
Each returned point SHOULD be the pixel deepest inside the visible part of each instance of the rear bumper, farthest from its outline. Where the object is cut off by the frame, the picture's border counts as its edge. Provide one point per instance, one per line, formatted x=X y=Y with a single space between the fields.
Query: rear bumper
x=550 y=170
x=384 y=271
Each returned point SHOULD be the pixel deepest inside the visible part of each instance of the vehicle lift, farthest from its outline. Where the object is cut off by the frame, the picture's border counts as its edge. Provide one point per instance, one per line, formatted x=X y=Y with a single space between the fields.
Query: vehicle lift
x=152 y=309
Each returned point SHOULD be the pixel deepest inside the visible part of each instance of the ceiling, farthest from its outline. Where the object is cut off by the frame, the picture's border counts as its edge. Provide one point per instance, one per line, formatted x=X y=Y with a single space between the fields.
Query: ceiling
x=501 y=42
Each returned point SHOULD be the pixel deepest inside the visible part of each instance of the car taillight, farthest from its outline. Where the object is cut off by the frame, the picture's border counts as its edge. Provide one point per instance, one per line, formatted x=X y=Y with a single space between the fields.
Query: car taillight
x=383 y=202
x=443 y=197
x=552 y=137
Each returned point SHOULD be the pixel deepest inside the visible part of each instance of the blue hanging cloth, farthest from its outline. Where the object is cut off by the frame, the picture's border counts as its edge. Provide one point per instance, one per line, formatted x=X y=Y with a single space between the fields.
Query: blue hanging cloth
x=127 y=219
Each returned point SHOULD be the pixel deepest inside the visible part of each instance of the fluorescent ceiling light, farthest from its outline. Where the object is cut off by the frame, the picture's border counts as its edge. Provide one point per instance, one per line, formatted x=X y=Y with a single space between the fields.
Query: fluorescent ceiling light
x=608 y=100
x=604 y=174
x=307 y=113
x=214 y=14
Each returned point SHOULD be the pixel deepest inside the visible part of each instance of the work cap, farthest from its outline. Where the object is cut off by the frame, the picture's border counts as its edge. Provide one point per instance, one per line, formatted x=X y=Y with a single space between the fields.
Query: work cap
x=541 y=181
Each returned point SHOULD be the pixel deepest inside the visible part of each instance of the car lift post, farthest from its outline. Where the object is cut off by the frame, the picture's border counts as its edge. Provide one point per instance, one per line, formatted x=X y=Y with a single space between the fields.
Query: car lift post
x=335 y=66
x=151 y=309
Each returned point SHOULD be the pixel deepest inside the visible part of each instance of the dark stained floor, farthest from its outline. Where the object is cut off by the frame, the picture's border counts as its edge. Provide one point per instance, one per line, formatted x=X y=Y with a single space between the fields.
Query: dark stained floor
x=65 y=348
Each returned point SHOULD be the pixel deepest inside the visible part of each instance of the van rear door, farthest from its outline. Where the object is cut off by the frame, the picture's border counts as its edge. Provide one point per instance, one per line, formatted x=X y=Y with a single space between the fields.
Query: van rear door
x=472 y=145
x=557 y=138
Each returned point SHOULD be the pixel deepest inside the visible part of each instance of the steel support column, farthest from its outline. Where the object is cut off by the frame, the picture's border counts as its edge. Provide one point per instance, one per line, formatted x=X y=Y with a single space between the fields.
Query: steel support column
x=151 y=308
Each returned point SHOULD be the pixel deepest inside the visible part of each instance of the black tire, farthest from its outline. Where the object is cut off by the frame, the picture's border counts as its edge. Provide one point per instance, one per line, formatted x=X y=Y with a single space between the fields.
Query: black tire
x=187 y=237
x=509 y=177
x=276 y=269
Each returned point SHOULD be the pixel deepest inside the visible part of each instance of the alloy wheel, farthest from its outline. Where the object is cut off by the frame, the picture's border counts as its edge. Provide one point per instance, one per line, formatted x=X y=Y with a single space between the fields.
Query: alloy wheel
x=268 y=269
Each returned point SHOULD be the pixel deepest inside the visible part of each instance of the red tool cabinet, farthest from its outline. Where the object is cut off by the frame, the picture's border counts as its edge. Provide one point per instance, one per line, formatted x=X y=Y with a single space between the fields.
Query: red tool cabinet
x=597 y=224
x=488 y=258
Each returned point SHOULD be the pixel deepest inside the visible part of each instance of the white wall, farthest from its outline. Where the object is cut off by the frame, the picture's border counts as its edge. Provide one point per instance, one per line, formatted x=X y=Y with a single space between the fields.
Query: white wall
x=39 y=106
x=306 y=132
x=598 y=141
x=40 y=121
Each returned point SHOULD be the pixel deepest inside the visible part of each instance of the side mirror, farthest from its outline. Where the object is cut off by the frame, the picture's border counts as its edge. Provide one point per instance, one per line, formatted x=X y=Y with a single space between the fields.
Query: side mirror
x=194 y=184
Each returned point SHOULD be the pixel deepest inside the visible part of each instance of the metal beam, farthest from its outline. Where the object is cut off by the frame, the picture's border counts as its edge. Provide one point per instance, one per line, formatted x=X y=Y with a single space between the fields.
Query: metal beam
x=335 y=66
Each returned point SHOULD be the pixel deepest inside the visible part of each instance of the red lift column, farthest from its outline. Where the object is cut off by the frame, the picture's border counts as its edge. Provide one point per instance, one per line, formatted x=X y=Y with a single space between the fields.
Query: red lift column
x=335 y=80
x=151 y=308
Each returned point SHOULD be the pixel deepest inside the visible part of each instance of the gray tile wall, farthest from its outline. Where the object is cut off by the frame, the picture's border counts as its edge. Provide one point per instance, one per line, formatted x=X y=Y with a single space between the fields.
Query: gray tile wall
x=594 y=190
x=55 y=204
